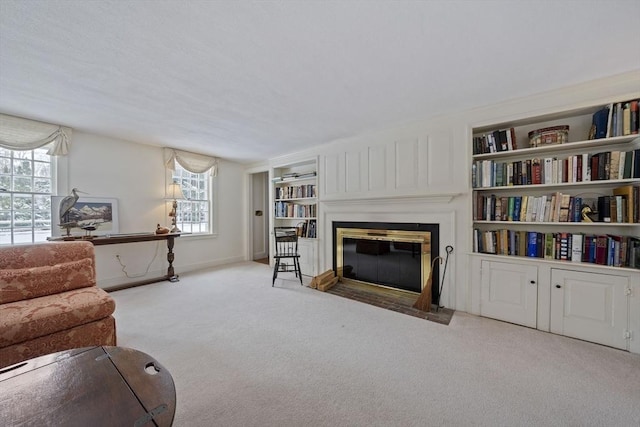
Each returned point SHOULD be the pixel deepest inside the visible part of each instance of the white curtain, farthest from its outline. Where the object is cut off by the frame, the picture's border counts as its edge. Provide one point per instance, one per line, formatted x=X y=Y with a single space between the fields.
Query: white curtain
x=17 y=133
x=196 y=163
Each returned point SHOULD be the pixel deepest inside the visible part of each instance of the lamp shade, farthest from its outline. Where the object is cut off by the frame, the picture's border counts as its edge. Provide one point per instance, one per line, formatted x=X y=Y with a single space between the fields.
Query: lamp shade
x=174 y=191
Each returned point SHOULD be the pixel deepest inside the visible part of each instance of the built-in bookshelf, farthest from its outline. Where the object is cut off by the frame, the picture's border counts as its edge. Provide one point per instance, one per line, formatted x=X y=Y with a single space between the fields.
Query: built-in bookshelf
x=563 y=187
x=295 y=204
x=295 y=199
x=555 y=221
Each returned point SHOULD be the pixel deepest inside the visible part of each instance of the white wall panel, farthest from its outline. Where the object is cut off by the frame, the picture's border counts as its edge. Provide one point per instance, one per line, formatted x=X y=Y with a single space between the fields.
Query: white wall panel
x=331 y=174
x=353 y=172
x=406 y=164
x=440 y=159
x=377 y=168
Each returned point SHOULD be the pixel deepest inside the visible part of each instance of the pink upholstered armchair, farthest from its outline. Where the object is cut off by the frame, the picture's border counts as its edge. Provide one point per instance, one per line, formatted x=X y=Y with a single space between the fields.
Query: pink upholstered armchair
x=49 y=301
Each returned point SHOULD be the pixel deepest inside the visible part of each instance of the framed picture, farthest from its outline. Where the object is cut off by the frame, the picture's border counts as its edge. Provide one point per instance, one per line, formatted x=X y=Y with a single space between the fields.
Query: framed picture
x=98 y=212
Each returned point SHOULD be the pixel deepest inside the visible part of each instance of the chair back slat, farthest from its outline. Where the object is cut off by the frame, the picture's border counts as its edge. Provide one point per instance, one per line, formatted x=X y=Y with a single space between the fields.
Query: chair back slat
x=286 y=241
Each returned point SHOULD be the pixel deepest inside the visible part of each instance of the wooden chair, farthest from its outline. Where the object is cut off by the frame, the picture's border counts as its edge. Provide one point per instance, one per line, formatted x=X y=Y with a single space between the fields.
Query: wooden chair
x=286 y=245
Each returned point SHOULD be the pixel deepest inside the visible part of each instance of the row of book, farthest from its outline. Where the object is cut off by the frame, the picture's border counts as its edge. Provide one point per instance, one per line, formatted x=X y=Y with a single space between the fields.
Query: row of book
x=607 y=165
x=611 y=250
x=623 y=206
x=294 y=210
x=495 y=142
x=616 y=119
x=295 y=191
x=307 y=229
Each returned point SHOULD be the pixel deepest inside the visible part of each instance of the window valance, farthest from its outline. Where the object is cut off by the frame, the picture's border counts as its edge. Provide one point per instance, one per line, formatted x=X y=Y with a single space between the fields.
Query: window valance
x=196 y=163
x=17 y=133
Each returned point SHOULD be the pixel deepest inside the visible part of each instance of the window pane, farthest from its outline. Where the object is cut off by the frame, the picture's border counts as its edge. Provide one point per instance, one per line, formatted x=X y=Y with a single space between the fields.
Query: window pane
x=22 y=167
x=22 y=219
x=22 y=155
x=5 y=165
x=22 y=184
x=42 y=203
x=22 y=235
x=41 y=185
x=5 y=182
x=5 y=202
x=5 y=153
x=5 y=219
x=42 y=169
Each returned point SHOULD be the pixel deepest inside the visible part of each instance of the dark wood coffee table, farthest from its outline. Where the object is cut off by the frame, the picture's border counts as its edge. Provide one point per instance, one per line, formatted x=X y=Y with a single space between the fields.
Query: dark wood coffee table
x=92 y=386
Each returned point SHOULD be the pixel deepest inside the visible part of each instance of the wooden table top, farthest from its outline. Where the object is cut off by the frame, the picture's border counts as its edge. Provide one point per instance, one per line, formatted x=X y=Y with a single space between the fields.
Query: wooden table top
x=92 y=386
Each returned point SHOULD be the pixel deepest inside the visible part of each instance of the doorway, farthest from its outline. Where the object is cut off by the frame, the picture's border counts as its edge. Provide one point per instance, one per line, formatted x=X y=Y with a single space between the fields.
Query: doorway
x=260 y=216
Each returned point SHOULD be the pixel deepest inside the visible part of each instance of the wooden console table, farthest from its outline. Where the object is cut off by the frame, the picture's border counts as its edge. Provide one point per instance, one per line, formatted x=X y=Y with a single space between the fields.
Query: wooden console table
x=116 y=239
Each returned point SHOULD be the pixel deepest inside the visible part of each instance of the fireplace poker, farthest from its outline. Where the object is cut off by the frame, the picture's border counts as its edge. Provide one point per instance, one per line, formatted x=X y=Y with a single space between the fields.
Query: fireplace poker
x=449 y=249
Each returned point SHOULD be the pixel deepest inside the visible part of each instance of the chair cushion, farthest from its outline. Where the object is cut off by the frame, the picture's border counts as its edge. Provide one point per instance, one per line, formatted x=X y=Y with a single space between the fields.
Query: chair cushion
x=33 y=282
x=27 y=319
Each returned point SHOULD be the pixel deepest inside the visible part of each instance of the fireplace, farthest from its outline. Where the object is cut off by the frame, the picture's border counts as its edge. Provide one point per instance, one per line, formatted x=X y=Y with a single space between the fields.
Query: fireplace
x=393 y=255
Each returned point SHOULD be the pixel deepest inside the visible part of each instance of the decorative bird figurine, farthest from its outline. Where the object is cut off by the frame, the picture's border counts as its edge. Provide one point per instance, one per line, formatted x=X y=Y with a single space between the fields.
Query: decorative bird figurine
x=67 y=203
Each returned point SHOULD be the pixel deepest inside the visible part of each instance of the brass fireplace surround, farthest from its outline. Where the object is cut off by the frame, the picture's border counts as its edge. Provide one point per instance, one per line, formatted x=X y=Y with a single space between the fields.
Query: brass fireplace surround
x=395 y=236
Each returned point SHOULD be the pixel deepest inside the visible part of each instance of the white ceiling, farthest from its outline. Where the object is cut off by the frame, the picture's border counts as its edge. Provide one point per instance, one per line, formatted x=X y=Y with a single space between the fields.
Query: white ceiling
x=247 y=80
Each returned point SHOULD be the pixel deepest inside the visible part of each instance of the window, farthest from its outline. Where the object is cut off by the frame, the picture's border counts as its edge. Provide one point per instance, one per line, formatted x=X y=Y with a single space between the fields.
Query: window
x=194 y=211
x=25 y=195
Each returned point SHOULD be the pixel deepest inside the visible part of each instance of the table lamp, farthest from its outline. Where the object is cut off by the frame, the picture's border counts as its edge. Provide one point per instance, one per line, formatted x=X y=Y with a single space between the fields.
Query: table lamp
x=174 y=192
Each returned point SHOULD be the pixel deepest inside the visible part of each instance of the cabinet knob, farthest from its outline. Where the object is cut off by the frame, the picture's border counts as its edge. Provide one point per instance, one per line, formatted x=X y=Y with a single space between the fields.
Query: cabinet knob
x=533 y=282
x=558 y=286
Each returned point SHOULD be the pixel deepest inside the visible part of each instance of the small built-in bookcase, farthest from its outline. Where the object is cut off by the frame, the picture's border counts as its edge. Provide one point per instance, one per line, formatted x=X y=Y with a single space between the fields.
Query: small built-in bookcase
x=294 y=197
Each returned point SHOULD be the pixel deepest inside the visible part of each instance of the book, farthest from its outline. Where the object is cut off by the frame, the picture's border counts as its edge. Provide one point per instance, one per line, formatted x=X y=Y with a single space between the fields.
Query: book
x=548 y=245
x=604 y=209
x=576 y=247
x=601 y=250
x=635 y=120
x=614 y=165
x=626 y=119
x=599 y=123
x=532 y=244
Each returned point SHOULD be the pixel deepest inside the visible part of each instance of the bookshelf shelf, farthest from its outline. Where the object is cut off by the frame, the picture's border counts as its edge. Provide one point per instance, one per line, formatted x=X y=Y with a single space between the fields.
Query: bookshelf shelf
x=558 y=224
x=296 y=199
x=296 y=217
x=599 y=183
x=557 y=148
x=285 y=181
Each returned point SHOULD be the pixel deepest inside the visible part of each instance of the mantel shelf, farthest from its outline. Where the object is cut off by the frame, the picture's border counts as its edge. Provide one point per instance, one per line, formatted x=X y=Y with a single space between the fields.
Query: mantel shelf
x=431 y=198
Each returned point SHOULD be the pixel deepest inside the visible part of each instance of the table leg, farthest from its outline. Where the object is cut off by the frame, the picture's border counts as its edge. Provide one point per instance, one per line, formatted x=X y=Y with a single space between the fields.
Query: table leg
x=171 y=276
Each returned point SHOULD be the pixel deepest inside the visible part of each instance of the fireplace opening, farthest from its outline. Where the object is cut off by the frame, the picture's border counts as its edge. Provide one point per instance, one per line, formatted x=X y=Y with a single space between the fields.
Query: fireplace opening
x=394 y=255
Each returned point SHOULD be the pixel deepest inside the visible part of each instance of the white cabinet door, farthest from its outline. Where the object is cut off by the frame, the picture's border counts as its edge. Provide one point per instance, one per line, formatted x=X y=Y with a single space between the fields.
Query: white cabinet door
x=590 y=306
x=307 y=251
x=509 y=292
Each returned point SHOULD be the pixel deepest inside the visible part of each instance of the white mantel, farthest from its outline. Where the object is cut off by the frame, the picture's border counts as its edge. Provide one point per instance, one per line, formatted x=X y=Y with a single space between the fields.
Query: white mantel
x=414 y=211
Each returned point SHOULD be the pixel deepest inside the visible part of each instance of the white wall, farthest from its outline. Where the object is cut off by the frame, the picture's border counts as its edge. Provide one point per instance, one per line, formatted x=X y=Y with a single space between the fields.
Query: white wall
x=134 y=174
x=421 y=172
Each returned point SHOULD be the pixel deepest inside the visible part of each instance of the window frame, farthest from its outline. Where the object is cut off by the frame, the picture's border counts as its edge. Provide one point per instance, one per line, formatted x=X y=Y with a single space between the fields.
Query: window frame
x=211 y=183
x=53 y=162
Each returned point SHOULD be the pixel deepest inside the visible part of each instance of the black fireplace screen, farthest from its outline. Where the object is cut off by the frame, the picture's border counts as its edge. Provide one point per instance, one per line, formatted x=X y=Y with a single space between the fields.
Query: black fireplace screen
x=396 y=255
x=394 y=264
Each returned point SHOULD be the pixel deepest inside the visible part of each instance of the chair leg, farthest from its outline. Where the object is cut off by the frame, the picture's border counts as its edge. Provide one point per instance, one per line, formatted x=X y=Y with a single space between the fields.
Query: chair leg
x=275 y=271
x=298 y=271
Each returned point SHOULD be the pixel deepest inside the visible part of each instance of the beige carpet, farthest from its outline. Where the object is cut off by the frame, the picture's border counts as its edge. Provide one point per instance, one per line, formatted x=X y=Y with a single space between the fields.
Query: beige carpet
x=245 y=354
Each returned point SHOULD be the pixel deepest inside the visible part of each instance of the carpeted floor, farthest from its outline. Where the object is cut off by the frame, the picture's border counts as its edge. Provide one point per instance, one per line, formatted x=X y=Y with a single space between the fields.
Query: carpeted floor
x=243 y=353
x=389 y=299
